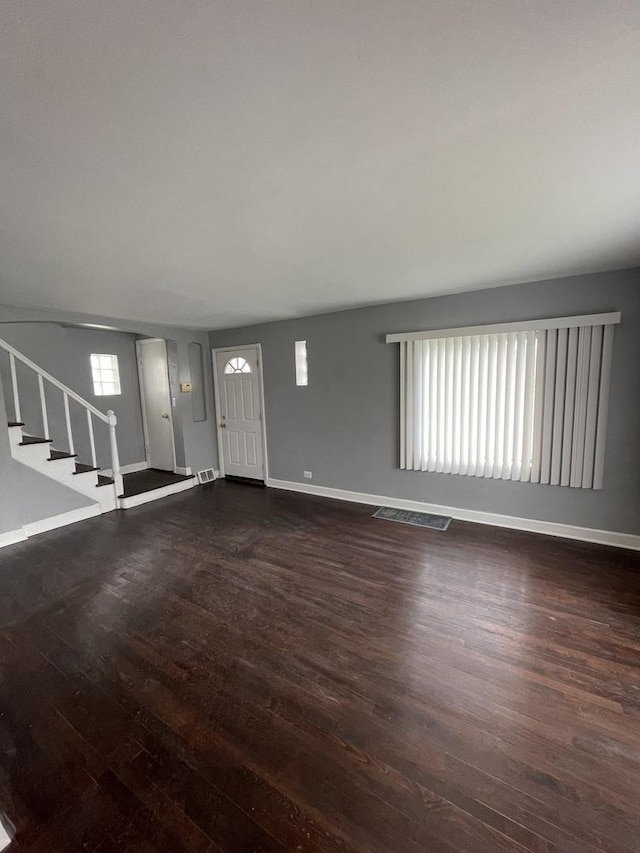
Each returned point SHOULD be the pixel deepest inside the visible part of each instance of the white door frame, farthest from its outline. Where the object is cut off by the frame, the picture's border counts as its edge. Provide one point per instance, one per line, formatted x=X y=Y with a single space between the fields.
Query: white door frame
x=139 y=344
x=216 y=394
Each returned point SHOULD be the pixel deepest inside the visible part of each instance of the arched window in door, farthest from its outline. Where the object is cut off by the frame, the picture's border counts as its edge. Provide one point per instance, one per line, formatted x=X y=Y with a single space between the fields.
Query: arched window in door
x=237 y=365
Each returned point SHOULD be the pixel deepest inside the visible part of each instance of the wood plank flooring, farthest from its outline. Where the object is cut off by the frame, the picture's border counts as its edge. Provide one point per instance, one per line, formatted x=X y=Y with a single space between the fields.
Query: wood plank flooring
x=234 y=669
x=145 y=481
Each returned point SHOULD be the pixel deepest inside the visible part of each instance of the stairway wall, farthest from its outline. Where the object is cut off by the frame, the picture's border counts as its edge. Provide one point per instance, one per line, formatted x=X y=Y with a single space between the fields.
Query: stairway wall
x=65 y=353
x=39 y=497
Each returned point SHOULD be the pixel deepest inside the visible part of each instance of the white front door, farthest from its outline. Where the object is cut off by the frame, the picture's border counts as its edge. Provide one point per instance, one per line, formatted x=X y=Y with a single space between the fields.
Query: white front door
x=239 y=415
x=156 y=403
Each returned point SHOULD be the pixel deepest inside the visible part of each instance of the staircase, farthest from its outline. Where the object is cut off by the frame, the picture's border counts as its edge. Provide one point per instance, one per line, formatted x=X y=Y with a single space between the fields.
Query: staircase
x=38 y=451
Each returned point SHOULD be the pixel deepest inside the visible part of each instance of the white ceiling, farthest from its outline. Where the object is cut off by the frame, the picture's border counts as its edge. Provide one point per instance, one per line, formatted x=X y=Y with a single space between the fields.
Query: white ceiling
x=211 y=164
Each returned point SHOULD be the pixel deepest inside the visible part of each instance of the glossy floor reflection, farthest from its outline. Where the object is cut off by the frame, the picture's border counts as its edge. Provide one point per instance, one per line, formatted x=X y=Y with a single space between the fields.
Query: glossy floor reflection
x=233 y=669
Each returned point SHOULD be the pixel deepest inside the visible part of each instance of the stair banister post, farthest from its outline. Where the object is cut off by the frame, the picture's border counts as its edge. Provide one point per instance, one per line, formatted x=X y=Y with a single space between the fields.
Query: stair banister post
x=14 y=383
x=115 y=459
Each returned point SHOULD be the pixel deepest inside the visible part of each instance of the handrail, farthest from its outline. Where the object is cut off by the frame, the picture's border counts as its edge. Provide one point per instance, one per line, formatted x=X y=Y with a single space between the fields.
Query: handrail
x=65 y=388
x=109 y=419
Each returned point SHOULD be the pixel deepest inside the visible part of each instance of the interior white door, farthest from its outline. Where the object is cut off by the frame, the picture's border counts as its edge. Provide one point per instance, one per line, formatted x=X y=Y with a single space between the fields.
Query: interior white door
x=240 y=418
x=156 y=403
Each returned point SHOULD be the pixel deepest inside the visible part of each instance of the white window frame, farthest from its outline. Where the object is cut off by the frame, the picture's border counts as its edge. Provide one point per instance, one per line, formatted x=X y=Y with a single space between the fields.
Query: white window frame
x=612 y=318
x=302 y=365
x=105 y=371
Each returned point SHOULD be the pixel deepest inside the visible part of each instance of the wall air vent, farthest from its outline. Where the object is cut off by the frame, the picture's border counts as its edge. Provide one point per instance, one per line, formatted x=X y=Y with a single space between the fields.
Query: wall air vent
x=206 y=476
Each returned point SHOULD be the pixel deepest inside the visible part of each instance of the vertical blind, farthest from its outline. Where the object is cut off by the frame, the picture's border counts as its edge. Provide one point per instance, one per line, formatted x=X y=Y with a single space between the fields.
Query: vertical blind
x=522 y=401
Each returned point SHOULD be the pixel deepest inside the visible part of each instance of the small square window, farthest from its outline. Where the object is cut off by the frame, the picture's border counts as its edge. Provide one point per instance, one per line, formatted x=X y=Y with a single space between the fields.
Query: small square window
x=106 y=376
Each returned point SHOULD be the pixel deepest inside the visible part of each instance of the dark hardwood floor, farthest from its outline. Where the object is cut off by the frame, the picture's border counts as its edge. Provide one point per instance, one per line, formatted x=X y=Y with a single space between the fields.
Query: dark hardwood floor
x=151 y=478
x=234 y=669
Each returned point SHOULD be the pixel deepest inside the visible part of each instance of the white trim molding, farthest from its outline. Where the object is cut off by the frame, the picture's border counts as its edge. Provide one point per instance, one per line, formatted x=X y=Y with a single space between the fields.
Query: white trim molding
x=55 y=521
x=11 y=537
x=529 y=525
x=186 y=472
x=612 y=318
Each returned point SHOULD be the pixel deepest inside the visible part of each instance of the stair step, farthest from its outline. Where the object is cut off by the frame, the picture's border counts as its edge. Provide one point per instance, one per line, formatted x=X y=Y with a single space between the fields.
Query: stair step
x=15 y=424
x=81 y=468
x=34 y=439
x=104 y=481
x=60 y=454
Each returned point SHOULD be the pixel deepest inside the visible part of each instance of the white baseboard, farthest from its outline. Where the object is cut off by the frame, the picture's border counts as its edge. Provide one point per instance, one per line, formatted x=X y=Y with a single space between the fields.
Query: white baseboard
x=126 y=469
x=71 y=517
x=549 y=528
x=11 y=537
x=186 y=472
x=156 y=494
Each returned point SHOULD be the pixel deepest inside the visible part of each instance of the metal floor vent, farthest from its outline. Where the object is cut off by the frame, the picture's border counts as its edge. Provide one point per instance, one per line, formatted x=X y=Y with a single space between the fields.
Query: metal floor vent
x=419 y=519
x=206 y=476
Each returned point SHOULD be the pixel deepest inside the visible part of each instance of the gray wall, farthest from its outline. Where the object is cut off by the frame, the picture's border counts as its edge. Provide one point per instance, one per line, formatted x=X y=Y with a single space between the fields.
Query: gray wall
x=65 y=353
x=344 y=425
x=25 y=495
x=197 y=446
x=36 y=495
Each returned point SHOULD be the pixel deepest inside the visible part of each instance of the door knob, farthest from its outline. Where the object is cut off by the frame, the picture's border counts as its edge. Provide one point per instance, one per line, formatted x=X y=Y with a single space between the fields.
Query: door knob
x=166 y=416
x=223 y=426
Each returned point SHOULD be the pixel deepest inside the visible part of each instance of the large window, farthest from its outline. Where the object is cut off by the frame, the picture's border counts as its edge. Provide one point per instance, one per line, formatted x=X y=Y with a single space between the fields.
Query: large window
x=522 y=401
x=106 y=376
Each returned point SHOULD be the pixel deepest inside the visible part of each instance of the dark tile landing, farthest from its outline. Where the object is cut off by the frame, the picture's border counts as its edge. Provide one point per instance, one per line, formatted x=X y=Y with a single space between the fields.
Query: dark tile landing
x=147 y=480
x=246 y=670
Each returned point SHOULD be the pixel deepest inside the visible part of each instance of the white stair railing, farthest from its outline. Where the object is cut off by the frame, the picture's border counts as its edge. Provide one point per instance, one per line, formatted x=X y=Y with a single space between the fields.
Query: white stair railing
x=67 y=394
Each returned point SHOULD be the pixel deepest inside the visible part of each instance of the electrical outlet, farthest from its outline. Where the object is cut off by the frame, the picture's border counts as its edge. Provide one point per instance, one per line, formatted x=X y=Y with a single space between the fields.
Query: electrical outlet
x=308 y=474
